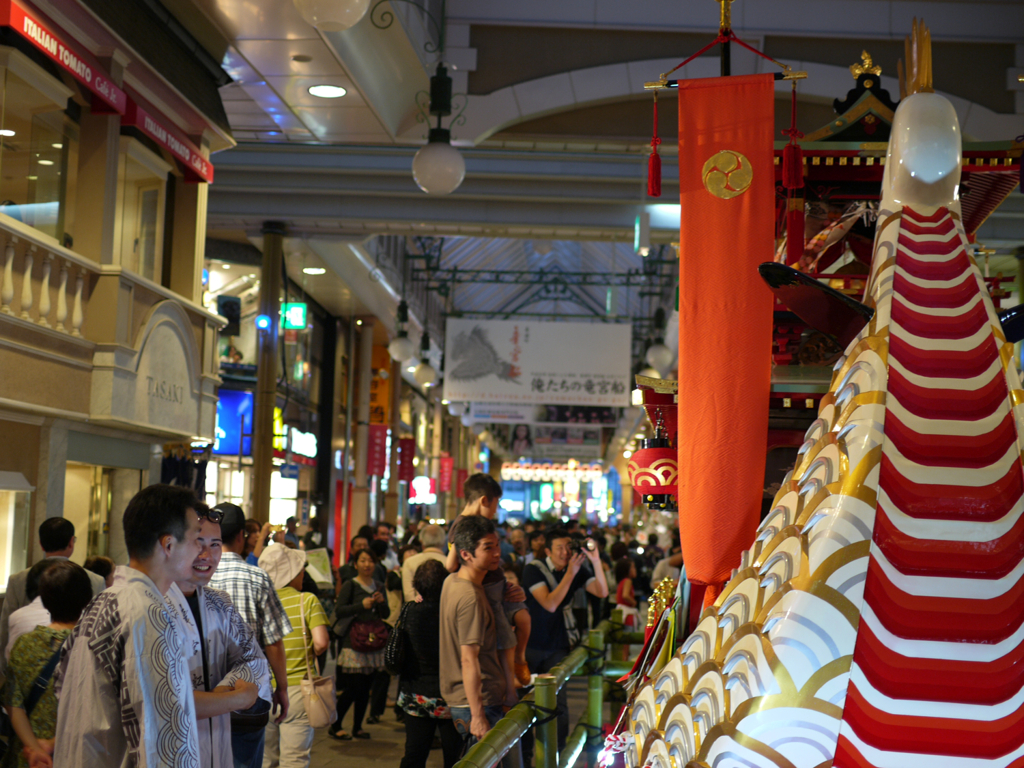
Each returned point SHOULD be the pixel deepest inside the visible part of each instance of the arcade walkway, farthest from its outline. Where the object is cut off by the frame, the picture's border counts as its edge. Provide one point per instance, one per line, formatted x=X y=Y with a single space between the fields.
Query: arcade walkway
x=387 y=743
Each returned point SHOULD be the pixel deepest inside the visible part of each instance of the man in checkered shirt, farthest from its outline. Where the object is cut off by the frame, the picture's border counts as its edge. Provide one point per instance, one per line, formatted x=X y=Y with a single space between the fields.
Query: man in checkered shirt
x=253 y=595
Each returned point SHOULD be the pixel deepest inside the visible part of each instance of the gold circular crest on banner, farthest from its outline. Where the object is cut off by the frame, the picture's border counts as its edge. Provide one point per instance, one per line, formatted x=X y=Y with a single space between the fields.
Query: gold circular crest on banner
x=727 y=174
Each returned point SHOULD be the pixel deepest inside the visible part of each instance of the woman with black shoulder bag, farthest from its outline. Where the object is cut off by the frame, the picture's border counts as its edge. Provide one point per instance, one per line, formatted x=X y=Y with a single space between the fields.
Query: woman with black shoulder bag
x=359 y=622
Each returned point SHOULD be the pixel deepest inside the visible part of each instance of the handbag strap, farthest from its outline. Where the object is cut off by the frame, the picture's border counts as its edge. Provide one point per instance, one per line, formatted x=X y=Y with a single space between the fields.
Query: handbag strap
x=305 y=645
x=39 y=686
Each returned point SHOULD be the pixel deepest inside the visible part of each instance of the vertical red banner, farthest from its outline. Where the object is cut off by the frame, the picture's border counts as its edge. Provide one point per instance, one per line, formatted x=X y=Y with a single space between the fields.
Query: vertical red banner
x=727 y=198
x=461 y=476
x=377 y=450
x=444 y=481
x=406 y=453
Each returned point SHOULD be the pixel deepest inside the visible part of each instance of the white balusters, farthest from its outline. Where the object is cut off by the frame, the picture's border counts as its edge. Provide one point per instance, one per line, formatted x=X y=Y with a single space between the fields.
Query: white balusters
x=26 y=285
x=7 y=285
x=62 y=297
x=76 y=310
x=44 y=291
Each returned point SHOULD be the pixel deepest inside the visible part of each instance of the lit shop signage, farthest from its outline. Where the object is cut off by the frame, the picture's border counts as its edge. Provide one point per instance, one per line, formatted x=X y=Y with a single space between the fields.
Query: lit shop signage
x=197 y=167
x=422 y=490
x=546 y=473
x=303 y=444
x=81 y=66
x=293 y=316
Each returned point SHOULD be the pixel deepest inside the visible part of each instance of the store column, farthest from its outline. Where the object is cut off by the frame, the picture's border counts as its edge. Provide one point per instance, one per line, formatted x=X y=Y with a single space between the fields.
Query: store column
x=96 y=201
x=266 y=372
x=361 y=492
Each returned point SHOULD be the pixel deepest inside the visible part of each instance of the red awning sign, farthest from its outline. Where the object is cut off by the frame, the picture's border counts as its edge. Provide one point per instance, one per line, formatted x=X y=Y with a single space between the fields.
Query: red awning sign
x=196 y=166
x=81 y=66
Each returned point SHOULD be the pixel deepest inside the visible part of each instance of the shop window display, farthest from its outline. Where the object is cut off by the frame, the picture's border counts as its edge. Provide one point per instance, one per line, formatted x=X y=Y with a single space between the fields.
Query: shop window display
x=38 y=148
x=14 y=518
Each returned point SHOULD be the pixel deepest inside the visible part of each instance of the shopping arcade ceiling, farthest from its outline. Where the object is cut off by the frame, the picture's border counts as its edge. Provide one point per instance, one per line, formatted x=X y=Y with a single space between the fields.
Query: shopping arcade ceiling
x=341 y=172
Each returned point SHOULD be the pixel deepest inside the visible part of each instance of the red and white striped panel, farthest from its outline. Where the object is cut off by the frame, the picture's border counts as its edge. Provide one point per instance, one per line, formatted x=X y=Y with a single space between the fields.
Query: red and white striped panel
x=937 y=677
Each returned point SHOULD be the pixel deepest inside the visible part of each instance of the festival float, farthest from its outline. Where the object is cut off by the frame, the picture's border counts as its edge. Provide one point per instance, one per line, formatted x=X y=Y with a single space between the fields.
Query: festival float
x=875 y=615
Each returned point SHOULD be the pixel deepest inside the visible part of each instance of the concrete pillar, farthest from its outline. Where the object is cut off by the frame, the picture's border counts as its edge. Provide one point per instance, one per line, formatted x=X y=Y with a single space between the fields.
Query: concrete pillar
x=96 y=233
x=266 y=374
x=361 y=513
x=184 y=264
x=124 y=483
x=96 y=209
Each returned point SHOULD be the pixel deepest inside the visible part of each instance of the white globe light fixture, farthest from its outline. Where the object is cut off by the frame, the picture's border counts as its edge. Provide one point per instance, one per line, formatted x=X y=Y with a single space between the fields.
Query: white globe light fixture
x=467 y=420
x=659 y=356
x=438 y=168
x=456 y=409
x=402 y=348
x=332 y=15
x=424 y=373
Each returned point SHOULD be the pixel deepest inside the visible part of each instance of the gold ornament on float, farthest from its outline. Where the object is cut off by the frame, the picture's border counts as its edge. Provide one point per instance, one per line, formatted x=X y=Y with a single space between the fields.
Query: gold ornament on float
x=727 y=174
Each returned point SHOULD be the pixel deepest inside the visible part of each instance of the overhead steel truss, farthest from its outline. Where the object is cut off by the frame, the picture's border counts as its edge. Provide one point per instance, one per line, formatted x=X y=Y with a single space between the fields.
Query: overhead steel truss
x=646 y=278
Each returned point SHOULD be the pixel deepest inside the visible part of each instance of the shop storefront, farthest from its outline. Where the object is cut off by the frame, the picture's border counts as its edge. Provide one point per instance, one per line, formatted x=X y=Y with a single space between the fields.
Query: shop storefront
x=106 y=356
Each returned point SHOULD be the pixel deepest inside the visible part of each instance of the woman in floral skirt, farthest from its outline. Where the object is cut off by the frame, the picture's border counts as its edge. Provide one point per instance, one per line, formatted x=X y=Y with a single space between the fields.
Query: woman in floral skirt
x=419 y=690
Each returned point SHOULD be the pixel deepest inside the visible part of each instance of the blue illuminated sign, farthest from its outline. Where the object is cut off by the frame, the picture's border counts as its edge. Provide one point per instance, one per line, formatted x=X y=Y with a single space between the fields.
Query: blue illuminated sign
x=234 y=416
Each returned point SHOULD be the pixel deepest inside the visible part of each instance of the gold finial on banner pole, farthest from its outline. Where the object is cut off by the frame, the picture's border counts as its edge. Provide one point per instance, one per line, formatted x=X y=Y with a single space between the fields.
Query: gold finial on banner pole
x=726 y=19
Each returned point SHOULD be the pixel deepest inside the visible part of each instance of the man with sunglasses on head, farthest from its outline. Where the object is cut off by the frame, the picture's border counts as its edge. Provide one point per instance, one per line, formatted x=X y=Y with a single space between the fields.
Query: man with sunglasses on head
x=253 y=594
x=229 y=671
x=123 y=686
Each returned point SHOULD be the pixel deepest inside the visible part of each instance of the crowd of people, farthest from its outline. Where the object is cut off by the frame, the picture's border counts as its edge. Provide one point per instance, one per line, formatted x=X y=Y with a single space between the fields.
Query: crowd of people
x=207 y=648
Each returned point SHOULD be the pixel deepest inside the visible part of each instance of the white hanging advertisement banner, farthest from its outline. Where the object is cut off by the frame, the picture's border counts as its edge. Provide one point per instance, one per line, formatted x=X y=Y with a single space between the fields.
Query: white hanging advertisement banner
x=524 y=362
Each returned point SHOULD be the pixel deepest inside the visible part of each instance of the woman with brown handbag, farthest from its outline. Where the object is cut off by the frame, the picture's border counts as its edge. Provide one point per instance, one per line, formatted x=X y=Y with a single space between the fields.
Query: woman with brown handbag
x=359 y=615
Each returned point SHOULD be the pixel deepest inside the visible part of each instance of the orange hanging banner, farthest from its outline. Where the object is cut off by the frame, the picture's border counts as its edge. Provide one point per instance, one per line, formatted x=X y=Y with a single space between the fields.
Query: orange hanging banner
x=727 y=197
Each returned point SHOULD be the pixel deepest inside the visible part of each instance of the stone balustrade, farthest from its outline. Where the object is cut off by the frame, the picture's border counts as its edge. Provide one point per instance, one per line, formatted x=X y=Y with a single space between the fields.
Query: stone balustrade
x=42 y=282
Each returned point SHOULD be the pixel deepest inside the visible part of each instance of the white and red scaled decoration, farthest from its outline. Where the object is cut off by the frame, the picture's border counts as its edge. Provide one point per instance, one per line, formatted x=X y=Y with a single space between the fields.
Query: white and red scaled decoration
x=878 y=619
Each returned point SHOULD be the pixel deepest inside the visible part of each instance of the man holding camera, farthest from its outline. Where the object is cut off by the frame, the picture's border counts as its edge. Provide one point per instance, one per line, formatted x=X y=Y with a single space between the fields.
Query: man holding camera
x=551 y=583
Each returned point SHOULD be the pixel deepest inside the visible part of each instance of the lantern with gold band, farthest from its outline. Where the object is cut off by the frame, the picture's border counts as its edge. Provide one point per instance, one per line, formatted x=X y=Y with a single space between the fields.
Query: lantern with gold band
x=653 y=472
x=654 y=469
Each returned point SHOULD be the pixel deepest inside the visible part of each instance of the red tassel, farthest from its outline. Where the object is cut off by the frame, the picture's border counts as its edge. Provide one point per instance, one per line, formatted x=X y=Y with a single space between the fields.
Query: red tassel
x=654 y=162
x=793 y=155
x=795 y=230
x=654 y=174
x=793 y=166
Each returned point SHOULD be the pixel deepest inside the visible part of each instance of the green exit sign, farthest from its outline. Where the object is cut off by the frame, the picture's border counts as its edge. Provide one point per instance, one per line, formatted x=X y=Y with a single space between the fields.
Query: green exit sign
x=294 y=315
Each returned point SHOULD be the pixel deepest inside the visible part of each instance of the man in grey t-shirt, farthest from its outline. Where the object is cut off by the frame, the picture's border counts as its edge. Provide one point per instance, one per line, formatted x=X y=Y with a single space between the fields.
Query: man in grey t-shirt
x=472 y=679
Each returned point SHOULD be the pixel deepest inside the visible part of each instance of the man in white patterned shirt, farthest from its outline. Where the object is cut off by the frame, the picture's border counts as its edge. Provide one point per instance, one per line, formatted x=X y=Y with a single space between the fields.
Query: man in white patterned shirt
x=253 y=595
x=123 y=685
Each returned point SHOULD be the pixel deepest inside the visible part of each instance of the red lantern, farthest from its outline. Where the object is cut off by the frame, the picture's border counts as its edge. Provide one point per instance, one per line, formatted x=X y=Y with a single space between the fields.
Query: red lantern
x=654 y=470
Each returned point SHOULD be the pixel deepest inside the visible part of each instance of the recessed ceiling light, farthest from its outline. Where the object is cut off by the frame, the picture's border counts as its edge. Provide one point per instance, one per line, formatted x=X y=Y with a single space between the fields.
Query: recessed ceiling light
x=33 y=178
x=314 y=271
x=57 y=146
x=46 y=162
x=6 y=132
x=327 y=91
x=225 y=266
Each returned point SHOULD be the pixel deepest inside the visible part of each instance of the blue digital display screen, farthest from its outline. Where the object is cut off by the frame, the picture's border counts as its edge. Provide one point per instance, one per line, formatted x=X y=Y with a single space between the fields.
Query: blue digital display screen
x=234 y=417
